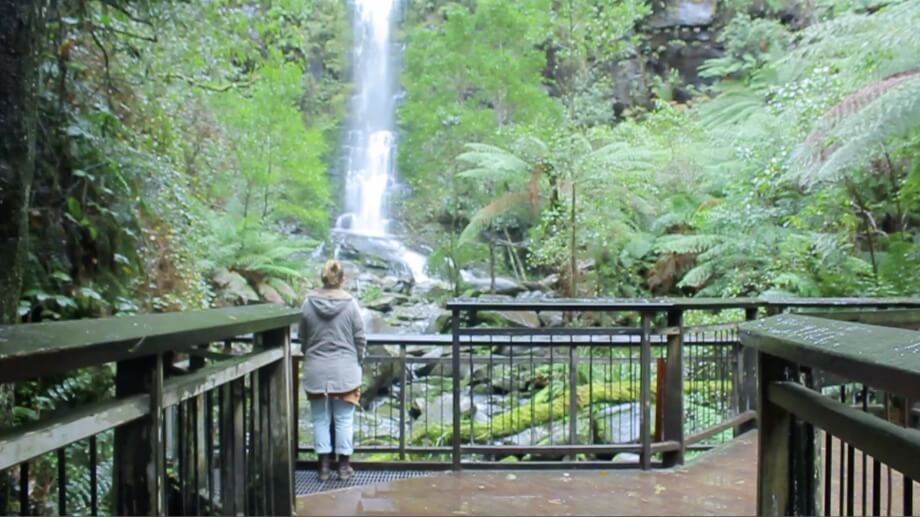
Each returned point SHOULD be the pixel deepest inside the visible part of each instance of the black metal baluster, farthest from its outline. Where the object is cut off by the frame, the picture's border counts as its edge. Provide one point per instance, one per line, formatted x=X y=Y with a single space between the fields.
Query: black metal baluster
x=62 y=480
x=472 y=431
x=93 y=477
x=573 y=392
x=403 y=387
x=828 y=471
x=632 y=386
x=865 y=470
x=552 y=375
x=533 y=404
x=851 y=479
x=491 y=380
x=908 y=482
x=876 y=487
x=24 y=489
x=514 y=379
x=590 y=387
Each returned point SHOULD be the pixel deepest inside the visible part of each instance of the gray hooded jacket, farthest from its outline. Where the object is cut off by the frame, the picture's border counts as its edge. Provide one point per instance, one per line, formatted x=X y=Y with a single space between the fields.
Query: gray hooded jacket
x=333 y=342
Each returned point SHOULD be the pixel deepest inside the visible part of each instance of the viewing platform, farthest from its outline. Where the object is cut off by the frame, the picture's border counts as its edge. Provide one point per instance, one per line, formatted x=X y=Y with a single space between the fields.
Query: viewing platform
x=621 y=407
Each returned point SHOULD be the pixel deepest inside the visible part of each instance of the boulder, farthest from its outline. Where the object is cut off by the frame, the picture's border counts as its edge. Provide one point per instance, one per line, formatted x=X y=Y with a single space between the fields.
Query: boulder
x=618 y=423
x=375 y=322
x=393 y=284
x=501 y=378
x=626 y=457
x=423 y=369
x=440 y=323
x=416 y=312
x=483 y=283
x=551 y=318
x=385 y=302
x=380 y=378
x=441 y=409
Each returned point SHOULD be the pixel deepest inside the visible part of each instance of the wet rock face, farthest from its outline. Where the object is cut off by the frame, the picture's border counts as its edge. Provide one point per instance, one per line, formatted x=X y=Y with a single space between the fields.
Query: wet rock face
x=682 y=31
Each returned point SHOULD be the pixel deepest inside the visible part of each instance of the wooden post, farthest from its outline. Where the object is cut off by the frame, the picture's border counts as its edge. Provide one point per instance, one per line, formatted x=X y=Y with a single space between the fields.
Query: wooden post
x=259 y=444
x=187 y=462
x=673 y=399
x=775 y=484
x=645 y=393
x=296 y=386
x=232 y=469
x=279 y=458
x=200 y=469
x=746 y=379
x=138 y=456
x=263 y=442
x=198 y=436
x=455 y=389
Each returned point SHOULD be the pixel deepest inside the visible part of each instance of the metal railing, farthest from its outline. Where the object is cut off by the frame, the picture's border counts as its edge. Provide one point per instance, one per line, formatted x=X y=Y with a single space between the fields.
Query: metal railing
x=838 y=423
x=646 y=392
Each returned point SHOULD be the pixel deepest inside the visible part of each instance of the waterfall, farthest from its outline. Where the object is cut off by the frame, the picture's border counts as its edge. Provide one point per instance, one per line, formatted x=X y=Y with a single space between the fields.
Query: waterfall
x=369 y=150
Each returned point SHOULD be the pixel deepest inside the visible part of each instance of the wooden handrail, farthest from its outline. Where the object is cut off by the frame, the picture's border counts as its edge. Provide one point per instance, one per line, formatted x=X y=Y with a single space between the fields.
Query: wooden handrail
x=36 y=349
x=891 y=444
x=792 y=347
x=885 y=358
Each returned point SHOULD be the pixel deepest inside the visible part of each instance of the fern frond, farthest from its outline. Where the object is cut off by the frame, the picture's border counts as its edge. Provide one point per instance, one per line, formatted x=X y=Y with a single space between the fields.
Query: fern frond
x=493 y=159
x=696 y=277
x=855 y=129
x=689 y=243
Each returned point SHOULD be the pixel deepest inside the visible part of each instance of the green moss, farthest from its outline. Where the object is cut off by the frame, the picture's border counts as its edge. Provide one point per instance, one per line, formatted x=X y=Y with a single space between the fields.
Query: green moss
x=526 y=415
x=540 y=411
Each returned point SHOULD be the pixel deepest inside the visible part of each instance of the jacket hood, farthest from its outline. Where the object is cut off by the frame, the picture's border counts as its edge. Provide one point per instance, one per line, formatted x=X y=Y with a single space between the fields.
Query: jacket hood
x=328 y=304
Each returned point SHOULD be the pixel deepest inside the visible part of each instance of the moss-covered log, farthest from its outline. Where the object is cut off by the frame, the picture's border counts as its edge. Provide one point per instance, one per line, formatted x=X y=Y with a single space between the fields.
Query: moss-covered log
x=527 y=415
x=533 y=413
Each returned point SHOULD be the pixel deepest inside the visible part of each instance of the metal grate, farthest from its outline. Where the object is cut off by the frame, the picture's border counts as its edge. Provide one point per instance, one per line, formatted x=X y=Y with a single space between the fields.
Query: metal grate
x=307 y=481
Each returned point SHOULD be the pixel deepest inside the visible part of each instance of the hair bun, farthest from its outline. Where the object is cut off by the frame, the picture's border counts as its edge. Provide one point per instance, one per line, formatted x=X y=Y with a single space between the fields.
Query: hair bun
x=332 y=275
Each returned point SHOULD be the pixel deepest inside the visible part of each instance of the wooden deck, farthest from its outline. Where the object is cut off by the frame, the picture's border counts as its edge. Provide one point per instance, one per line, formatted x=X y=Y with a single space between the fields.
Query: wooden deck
x=721 y=482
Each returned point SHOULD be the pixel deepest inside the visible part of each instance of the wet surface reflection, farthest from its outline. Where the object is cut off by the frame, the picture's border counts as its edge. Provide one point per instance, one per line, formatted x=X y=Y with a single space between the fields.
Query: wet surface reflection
x=721 y=482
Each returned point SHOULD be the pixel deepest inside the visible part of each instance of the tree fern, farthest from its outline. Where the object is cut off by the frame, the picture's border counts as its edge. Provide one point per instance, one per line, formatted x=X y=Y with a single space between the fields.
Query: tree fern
x=697 y=276
x=856 y=129
x=689 y=243
x=493 y=164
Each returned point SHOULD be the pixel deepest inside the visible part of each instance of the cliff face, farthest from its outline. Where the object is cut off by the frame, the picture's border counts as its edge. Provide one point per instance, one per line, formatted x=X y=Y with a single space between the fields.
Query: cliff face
x=678 y=37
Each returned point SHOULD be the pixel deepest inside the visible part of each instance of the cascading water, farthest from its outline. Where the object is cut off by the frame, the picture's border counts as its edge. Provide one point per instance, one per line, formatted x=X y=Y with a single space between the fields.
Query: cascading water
x=370 y=148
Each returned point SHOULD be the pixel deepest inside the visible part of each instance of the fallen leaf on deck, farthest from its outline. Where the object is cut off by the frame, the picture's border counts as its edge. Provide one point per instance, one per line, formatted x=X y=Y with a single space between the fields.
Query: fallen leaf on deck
x=659 y=489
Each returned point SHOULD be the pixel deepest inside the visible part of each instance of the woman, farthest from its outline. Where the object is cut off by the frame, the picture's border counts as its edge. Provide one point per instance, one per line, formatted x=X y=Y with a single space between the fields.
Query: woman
x=332 y=337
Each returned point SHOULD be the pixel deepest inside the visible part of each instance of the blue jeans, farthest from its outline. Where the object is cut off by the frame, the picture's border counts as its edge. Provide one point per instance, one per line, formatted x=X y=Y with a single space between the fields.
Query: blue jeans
x=343 y=413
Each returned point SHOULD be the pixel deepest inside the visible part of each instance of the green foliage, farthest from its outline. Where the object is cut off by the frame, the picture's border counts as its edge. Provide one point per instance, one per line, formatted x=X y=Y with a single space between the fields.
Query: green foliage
x=248 y=262
x=749 y=45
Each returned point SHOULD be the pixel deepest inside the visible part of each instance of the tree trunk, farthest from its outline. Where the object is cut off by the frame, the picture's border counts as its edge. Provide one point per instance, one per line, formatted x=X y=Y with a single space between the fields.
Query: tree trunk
x=19 y=41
